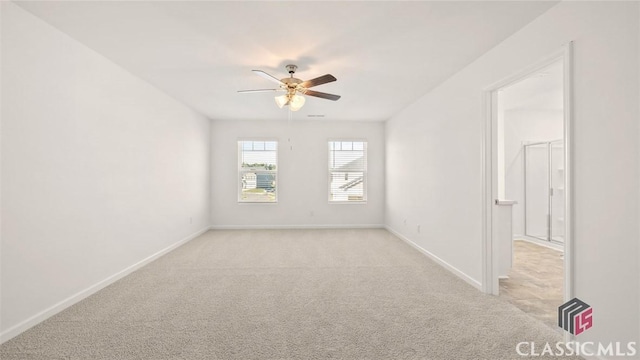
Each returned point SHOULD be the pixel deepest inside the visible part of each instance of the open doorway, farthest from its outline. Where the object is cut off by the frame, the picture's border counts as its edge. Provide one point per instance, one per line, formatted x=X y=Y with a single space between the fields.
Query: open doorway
x=527 y=189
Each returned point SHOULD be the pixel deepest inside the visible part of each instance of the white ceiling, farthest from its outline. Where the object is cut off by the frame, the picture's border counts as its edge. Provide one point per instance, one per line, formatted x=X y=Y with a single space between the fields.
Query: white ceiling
x=384 y=54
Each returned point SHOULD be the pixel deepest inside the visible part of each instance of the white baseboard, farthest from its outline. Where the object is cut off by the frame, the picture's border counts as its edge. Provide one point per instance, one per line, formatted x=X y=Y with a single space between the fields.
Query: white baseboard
x=547 y=244
x=287 y=227
x=43 y=315
x=592 y=357
x=591 y=349
x=471 y=281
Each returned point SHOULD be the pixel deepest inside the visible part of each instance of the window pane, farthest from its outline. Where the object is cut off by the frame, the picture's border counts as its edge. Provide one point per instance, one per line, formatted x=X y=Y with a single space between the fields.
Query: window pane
x=257 y=177
x=347 y=170
x=347 y=160
x=346 y=186
x=258 y=187
x=259 y=158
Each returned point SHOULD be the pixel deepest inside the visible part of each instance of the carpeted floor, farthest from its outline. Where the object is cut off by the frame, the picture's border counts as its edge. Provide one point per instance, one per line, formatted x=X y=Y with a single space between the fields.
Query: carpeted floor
x=286 y=294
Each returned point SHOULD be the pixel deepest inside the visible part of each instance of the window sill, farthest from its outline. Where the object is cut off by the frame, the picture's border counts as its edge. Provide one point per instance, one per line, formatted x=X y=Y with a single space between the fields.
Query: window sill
x=353 y=202
x=257 y=203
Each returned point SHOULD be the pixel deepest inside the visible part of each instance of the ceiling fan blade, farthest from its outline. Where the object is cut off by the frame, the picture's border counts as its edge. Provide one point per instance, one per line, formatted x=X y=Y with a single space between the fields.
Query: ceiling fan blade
x=267 y=76
x=318 y=81
x=322 y=95
x=259 y=90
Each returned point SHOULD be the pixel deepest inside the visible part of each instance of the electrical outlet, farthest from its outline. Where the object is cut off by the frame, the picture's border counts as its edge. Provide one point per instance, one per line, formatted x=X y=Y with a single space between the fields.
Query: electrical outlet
x=418 y=229
x=311 y=213
x=190 y=220
x=405 y=222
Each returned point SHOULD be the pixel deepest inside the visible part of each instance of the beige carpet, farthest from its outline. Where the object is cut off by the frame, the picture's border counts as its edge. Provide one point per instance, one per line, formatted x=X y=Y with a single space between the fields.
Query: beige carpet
x=285 y=294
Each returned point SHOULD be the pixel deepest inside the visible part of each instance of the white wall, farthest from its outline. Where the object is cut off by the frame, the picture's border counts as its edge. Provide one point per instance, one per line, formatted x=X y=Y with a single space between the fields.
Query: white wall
x=99 y=170
x=440 y=135
x=520 y=126
x=302 y=174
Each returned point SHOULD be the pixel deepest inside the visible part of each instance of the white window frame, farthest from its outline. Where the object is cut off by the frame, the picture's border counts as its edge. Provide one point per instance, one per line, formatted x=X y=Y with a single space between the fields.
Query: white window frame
x=241 y=171
x=365 y=180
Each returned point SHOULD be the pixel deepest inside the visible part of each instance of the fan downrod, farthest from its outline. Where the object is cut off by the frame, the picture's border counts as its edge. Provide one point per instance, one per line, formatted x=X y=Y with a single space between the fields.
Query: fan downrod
x=291 y=83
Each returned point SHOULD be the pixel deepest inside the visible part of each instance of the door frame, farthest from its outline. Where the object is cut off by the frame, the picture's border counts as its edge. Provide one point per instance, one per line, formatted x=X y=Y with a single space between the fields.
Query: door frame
x=490 y=283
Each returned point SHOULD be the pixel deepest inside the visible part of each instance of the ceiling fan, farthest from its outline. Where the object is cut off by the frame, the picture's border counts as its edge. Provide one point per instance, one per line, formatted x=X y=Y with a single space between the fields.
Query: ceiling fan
x=293 y=87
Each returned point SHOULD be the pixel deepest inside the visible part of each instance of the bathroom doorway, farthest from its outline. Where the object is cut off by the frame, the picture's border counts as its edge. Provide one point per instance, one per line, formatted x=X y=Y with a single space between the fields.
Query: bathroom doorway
x=528 y=149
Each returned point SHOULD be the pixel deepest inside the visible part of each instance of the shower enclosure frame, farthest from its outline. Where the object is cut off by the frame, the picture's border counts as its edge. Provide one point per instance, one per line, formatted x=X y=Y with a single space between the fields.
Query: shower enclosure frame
x=550 y=193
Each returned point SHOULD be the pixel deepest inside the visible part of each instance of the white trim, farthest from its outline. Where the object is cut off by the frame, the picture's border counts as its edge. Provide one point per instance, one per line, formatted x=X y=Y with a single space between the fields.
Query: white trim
x=294 y=227
x=365 y=171
x=352 y=202
x=240 y=170
x=591 y=348
x=62 y=305
x=1 y=7
x=505 y=202
x=488 y=285
x=459 y=273
x=569 y=263
x=524 y=73
x=489 y=281
x=543 y=243
x=595 y=357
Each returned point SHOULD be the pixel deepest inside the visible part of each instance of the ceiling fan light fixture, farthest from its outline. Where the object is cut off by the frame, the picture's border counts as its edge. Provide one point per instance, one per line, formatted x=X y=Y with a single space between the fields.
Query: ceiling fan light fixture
x=296 y=102
x=292 y=86
x=282 y=100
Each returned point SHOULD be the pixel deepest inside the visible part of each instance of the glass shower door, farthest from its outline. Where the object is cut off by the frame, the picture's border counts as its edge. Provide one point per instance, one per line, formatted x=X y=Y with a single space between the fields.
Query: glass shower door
x=537 y=187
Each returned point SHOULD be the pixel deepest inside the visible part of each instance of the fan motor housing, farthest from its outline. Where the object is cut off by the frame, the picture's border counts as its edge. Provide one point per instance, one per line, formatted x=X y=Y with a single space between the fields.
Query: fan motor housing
x=291 y=81
x=291 y=85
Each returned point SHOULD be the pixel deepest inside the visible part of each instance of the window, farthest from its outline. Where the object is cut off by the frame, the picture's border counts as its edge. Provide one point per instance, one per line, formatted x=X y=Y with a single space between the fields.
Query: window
x=347 y=171
x=257 y=171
